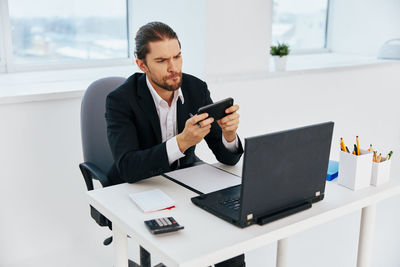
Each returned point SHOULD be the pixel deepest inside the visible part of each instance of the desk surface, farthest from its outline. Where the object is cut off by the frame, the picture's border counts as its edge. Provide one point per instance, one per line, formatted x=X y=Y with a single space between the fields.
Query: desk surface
x=207 y=239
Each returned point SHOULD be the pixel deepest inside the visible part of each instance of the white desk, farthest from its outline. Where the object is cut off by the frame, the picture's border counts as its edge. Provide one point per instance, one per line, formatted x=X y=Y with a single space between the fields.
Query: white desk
x=207 y=239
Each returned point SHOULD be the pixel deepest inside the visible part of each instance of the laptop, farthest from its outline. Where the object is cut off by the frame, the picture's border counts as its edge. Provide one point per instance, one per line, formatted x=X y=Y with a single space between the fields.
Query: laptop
x=283 y=173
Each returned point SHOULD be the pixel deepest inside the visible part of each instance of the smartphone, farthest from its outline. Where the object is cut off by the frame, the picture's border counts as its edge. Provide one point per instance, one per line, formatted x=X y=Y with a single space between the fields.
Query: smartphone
x=217 y=109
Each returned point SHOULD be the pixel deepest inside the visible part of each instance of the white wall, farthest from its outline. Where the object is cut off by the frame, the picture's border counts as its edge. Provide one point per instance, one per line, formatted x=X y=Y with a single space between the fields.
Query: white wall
x=187 y=18
x=44 y=211
x=218 y=37
x=237 y=37
x=362 y=26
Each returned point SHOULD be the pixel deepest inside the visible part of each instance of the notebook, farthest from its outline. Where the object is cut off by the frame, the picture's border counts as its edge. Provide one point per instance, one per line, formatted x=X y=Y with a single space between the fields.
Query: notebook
x=152 y=200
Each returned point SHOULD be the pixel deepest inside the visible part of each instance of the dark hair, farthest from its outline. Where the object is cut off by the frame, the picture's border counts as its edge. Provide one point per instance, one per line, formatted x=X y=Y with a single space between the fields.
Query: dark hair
x=152 y=32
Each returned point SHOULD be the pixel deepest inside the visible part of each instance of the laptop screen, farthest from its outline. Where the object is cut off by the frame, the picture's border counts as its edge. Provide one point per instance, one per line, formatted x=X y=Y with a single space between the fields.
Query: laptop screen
x=284 y=168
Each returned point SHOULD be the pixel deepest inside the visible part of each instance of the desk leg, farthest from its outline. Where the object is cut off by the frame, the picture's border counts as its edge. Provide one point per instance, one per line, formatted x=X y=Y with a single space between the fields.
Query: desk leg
x=120 y=247
x=281 y=254
x=366 y=234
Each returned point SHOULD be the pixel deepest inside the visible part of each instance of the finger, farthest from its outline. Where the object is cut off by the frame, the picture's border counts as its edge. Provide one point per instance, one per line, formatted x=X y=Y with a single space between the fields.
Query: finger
x=232 y=109
x=201 y=132
x=230 y=117
x=195 y=119
x=230 y=123
x=206 y=122
x=207 y=131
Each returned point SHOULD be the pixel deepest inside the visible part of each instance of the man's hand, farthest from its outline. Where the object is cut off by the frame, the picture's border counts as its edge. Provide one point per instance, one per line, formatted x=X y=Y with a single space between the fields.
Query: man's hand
x=230 y=123
x=193 y=134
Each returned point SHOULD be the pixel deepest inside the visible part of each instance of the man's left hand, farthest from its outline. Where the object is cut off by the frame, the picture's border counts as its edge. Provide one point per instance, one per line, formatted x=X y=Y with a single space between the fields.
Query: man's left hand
x=230 y=123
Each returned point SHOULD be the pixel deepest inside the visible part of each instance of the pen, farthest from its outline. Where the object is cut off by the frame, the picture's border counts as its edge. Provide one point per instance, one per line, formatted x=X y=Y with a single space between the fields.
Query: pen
x=191 y=116
x=390 y=154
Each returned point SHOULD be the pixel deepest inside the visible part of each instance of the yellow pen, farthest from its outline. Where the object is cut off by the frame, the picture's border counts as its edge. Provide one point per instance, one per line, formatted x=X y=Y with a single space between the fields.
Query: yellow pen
x=358 y=146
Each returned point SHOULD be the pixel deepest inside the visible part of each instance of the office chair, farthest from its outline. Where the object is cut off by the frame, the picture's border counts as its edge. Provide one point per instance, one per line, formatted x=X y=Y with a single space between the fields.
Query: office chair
x=96 y=151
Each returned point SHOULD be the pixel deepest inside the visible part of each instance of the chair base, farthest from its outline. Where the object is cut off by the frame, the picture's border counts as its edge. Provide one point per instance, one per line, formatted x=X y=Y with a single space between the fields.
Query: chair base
x=134 y=264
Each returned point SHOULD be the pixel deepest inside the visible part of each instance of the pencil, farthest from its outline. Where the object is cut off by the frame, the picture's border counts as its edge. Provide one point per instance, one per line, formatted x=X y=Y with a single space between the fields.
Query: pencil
x=342 y=146
x=370 y=149
x=355 y=150
x=378 y=159
x=358 y=146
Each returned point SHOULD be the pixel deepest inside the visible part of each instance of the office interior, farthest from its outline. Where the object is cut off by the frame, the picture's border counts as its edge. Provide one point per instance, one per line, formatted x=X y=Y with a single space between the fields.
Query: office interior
x=44 y=212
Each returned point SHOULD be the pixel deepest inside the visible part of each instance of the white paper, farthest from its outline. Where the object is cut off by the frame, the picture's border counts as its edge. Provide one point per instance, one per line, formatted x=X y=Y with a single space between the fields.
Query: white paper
x=205 y=178
x=152 y=200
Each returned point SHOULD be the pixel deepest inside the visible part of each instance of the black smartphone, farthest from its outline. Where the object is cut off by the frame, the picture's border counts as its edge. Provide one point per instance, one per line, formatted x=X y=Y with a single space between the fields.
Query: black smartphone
x=217 y=109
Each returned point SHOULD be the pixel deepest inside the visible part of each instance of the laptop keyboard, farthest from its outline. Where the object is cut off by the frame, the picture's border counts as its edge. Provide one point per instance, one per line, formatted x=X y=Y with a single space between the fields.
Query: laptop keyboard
x=232 y=203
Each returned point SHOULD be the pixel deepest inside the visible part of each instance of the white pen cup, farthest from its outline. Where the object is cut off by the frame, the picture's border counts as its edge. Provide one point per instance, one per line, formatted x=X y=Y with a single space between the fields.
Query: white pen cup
x=355 y=171
x=380 y=172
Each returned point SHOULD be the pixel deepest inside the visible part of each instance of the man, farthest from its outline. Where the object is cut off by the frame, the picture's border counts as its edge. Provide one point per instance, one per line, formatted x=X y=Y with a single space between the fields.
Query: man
x=149 y=127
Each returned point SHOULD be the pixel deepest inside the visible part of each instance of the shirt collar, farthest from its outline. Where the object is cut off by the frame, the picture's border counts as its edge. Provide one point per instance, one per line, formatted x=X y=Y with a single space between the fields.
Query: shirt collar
x=157 y=98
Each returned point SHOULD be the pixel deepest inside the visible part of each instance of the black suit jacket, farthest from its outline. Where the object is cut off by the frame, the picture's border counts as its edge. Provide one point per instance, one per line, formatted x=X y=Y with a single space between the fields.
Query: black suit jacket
x=134 y=133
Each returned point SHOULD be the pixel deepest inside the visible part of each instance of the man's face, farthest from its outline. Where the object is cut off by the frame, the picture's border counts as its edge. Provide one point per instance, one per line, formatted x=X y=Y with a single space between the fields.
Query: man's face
x=163 y=65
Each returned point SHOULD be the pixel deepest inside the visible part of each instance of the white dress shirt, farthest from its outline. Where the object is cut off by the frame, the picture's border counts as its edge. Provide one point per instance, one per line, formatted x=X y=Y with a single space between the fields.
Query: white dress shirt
x=169 y=125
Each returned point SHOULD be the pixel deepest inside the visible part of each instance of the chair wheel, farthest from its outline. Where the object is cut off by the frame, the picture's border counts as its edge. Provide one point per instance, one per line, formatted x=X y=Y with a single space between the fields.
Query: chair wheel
x=107 y=241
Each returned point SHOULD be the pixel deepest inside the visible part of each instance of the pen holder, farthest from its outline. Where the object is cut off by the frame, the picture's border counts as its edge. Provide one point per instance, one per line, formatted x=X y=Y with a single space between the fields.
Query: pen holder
x=355 y=171
x=380 y=172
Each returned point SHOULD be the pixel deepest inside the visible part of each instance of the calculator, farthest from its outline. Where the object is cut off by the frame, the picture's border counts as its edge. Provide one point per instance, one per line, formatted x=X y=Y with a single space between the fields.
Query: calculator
x=163 y=225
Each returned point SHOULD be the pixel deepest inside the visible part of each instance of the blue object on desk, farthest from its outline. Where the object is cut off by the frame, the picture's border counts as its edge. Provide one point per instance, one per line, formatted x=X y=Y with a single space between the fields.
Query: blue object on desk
x=333 y=170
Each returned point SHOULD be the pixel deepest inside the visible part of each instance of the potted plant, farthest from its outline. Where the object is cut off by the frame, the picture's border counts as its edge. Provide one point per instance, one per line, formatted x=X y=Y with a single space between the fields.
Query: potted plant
x=279 y=53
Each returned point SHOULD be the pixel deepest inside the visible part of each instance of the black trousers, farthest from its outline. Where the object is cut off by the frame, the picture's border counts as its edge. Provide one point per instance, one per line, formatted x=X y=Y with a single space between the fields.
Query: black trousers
x=233 y=262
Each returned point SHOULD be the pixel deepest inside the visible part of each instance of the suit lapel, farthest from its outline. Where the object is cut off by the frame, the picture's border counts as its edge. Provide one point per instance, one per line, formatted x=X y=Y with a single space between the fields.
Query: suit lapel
x=146 y=103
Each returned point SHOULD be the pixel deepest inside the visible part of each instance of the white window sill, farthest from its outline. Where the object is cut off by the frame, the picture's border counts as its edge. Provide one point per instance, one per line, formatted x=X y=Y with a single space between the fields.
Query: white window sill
x=58 y=84
x=61 y=84
x=326 y=61
x=308 y=63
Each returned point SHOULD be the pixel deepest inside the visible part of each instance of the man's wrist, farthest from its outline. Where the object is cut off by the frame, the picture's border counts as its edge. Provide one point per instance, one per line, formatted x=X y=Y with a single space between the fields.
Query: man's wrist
x=230 y=137
x=181 y=143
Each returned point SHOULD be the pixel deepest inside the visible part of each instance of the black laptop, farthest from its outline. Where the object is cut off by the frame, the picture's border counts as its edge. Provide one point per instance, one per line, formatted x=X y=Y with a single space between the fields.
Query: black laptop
x=283 y=173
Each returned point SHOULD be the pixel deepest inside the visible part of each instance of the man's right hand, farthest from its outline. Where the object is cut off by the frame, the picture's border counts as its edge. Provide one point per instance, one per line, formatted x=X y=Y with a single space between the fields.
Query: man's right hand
x=193 y=134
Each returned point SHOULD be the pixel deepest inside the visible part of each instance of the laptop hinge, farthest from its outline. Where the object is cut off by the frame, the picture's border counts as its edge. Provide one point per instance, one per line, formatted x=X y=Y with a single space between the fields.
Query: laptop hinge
x=283 y=213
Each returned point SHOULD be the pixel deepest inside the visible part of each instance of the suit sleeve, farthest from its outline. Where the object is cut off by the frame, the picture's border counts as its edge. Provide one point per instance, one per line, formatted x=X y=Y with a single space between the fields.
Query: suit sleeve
x=133 y=163
x=214 y=140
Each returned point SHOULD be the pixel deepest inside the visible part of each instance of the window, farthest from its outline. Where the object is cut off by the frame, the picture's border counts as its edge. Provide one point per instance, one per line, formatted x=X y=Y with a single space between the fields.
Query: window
x=46 y=31
x=301 y=24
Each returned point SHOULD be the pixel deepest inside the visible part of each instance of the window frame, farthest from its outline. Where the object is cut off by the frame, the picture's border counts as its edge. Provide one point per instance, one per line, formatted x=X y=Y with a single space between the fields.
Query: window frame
x=324 y=49
x=5 y=37
x=7 y=64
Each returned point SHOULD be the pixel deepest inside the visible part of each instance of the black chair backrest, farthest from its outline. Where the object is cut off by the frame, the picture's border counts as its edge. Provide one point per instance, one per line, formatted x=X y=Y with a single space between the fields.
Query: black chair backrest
x=96 y=149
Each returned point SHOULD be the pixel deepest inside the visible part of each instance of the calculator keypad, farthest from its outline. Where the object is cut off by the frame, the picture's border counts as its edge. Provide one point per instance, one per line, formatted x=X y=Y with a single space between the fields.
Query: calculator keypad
x=163 y=225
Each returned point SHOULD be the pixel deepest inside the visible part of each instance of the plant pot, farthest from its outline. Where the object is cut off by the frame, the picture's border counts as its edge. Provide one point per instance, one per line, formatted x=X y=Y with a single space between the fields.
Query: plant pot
x=280 y=63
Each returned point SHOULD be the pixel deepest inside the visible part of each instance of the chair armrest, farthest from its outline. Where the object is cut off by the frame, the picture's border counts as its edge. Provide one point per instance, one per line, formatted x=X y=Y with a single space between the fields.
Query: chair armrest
x=91 y=171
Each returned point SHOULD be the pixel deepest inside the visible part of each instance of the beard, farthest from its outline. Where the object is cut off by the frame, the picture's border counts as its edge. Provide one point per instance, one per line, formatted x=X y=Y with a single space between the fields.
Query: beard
x=163 y=82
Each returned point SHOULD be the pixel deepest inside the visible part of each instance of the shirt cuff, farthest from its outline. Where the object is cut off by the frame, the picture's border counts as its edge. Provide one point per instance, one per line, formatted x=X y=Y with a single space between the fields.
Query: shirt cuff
x=173 y=151
x=231 y=146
